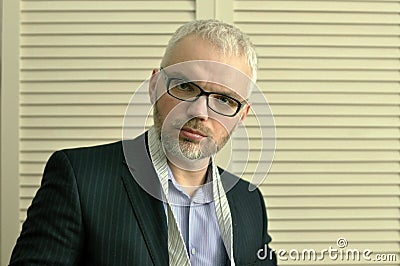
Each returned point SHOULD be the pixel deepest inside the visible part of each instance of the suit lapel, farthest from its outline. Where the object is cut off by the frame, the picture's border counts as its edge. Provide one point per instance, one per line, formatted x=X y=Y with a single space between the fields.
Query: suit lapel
x=228 y=182
x=144 y=198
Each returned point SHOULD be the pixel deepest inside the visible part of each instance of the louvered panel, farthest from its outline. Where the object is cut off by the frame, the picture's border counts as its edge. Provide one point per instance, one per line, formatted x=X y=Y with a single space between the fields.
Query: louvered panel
x=324 y=167
x=334 y=121
x=329 y=63
x=327 y=40
x=327 y=214
x=338 y=109
x=332 y=50
x=317 y=17
x=331 y=179
x=330 y=72
x=77 y=109
x=306 y=121
x=108 y=6
x=91 y=51
x=330 y=87
x=337 y=203
x=55 y=32
x=316 y=6
x=81 y=61
x=341 y=29
x=332 y=156
x=106 y=16
x=76 y=87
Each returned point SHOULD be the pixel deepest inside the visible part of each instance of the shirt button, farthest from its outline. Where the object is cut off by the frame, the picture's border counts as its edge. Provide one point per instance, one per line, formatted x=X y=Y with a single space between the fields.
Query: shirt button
x=193 y=251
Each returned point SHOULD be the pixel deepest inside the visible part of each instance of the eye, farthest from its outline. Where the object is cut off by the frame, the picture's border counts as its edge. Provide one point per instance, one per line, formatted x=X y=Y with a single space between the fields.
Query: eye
x=184 y=86
x=225 y=100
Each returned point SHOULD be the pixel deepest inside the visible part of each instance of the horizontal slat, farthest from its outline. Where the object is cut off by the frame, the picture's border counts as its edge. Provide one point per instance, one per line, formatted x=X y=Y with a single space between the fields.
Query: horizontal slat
x=327 y=144
x=330 y=179
x=333 y=133
x=280 y=156
x=106 y=98
x=108 y=6
x=317 y=29
x=265 y=64
x=355 y=238
x=92 y=64
x=279 y=109
x=332 y=120
x=272 y=179
x=328 y=86
x=383 y=261
x=73 y=32
x=310 y=214
x=320 y=132
x=304 y=121
x=336 y=225
x=104 y=16
x=320 y=109
x=271 y=51
x=76 y=110
x=333 y=98
x=274 y=98
x=329 y=63
x=331 y=51
x=315 y=17
x=104 y=32
x=323 y=167
x=327 y=214
x=94 y=39
x=321 y=40
x=325 y=156
x=266 y=86
x=140 y=51
x=302 y=75
x=83 y=87
x=316 y=6
x=299 y=167
x=305 y=202
x=295 y=145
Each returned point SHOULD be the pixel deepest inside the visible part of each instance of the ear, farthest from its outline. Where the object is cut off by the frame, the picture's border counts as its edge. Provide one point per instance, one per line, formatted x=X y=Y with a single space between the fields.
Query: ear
x=244 y=113
x=152 y=85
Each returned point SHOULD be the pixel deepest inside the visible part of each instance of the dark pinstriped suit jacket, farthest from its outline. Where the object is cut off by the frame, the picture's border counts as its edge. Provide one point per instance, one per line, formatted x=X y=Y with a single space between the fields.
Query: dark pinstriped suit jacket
x=89 y=210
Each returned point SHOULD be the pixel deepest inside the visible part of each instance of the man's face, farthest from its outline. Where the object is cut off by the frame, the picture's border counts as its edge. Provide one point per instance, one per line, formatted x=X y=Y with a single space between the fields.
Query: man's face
x=191 y=130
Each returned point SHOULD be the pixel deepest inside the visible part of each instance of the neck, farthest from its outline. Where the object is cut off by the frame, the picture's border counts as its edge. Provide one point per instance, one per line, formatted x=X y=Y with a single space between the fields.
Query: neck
x=189 y=180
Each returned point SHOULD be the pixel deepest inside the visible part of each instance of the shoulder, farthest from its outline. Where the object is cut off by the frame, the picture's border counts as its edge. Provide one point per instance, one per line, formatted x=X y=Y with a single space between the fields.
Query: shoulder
x=86 y=159
x=97 y=149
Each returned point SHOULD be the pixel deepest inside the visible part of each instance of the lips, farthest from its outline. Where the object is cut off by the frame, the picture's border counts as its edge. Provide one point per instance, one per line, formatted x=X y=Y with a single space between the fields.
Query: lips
x=192 y=134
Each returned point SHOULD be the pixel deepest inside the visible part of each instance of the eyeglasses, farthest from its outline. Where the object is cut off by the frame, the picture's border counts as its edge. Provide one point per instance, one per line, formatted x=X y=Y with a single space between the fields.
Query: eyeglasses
x=186 y=91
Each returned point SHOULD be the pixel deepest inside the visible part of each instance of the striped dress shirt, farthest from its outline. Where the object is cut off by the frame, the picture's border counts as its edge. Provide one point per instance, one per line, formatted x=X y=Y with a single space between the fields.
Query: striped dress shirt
x=197 y=222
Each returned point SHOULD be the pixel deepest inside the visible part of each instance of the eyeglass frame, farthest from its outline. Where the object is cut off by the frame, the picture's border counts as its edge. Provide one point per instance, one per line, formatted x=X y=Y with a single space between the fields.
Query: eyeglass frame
x=202 y=92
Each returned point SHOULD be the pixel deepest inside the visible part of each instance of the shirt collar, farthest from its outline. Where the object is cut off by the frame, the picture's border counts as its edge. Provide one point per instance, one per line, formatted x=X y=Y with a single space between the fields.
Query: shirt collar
x=203 y=194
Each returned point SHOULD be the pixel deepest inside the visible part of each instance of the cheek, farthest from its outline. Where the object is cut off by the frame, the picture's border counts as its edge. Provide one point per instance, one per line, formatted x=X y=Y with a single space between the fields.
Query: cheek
x=170 y=109
x=223 y=127
x=165 y=105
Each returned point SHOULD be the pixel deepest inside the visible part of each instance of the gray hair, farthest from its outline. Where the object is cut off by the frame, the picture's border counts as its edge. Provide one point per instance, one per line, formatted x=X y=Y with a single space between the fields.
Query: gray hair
x=228 y=38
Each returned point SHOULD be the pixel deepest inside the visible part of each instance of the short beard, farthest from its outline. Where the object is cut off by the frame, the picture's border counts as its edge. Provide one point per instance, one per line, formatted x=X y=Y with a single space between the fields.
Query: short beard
x=183 y=148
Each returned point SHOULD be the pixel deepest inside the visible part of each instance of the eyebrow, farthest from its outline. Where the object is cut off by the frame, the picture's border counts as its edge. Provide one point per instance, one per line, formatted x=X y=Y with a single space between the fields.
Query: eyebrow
x=226 y=92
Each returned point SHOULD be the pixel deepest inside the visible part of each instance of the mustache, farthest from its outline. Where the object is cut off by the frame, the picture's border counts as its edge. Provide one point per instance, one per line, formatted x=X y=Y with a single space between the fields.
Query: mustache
x=195 y=124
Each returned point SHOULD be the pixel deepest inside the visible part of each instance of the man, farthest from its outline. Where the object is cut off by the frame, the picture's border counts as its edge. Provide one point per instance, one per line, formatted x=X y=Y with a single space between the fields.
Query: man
x=159 y=199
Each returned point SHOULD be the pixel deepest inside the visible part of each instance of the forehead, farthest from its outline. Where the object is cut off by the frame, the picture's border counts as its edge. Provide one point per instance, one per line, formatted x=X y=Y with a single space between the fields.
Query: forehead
x=212 y=76
x=191 y=48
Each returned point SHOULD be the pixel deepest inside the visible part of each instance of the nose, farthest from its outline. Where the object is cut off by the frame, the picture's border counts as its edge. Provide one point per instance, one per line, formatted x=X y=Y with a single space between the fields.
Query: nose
x=198 y=108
